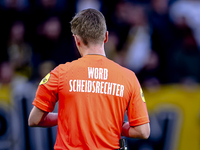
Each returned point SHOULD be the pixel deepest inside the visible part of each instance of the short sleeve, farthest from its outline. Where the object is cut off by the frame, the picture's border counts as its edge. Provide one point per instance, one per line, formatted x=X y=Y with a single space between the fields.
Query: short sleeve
x=137 y=111
x=47 y=92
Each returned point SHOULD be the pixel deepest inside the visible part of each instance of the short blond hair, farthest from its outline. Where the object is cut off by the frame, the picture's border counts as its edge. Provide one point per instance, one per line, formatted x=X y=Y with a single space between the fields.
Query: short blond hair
x=90 y=25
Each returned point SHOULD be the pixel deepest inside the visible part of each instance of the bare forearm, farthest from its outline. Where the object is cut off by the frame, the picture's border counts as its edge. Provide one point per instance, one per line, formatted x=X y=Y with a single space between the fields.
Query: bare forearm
x=40 y=118
x=142 y=131
x=133 y=133
x=49 y=120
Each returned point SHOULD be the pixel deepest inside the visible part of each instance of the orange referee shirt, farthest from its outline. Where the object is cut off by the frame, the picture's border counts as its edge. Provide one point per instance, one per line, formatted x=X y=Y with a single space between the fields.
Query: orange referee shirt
x=93 y=93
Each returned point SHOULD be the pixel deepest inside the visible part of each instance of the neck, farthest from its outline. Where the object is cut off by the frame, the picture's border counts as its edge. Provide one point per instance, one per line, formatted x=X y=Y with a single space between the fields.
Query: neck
x=93 y=50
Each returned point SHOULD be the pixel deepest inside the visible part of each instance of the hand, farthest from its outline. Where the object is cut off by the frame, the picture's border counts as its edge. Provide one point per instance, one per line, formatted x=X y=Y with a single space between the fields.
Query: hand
x=125 y=129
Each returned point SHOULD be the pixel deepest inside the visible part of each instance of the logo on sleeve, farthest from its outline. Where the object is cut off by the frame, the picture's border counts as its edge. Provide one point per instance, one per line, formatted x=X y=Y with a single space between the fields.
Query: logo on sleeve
x=142 y=95
x=45 y=79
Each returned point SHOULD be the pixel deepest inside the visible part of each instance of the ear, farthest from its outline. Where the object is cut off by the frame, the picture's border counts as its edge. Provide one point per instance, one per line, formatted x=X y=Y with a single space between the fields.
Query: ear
x=106 y=37
x=77 y=40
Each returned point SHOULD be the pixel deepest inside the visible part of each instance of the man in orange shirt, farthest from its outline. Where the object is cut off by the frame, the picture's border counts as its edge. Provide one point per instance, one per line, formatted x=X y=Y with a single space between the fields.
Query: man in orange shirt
x=93 y=93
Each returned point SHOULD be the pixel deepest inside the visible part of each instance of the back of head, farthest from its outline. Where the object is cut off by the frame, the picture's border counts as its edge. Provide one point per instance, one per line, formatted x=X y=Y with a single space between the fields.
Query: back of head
x=90 y=25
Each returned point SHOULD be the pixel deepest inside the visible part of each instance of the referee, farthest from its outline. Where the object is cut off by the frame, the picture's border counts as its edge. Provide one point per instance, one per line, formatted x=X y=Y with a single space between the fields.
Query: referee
x=93 y=94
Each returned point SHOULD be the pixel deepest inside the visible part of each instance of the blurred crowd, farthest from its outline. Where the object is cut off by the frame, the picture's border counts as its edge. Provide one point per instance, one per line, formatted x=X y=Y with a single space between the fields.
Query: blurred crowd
x=158 y=39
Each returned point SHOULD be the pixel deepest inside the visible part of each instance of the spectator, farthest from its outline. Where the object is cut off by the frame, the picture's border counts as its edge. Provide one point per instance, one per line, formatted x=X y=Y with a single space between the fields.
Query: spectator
x=6 y=75
x=191 y=12
x=19 y=51
x=162 y=37
x=43 y=10
x=10 y=11
x=50 y=42
x=137 y=48
x=186 y=55
x=186 y=58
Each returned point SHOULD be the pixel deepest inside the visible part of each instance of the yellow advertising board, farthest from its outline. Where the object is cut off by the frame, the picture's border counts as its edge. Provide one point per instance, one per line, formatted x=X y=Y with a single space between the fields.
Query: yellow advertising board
x=183 y=106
